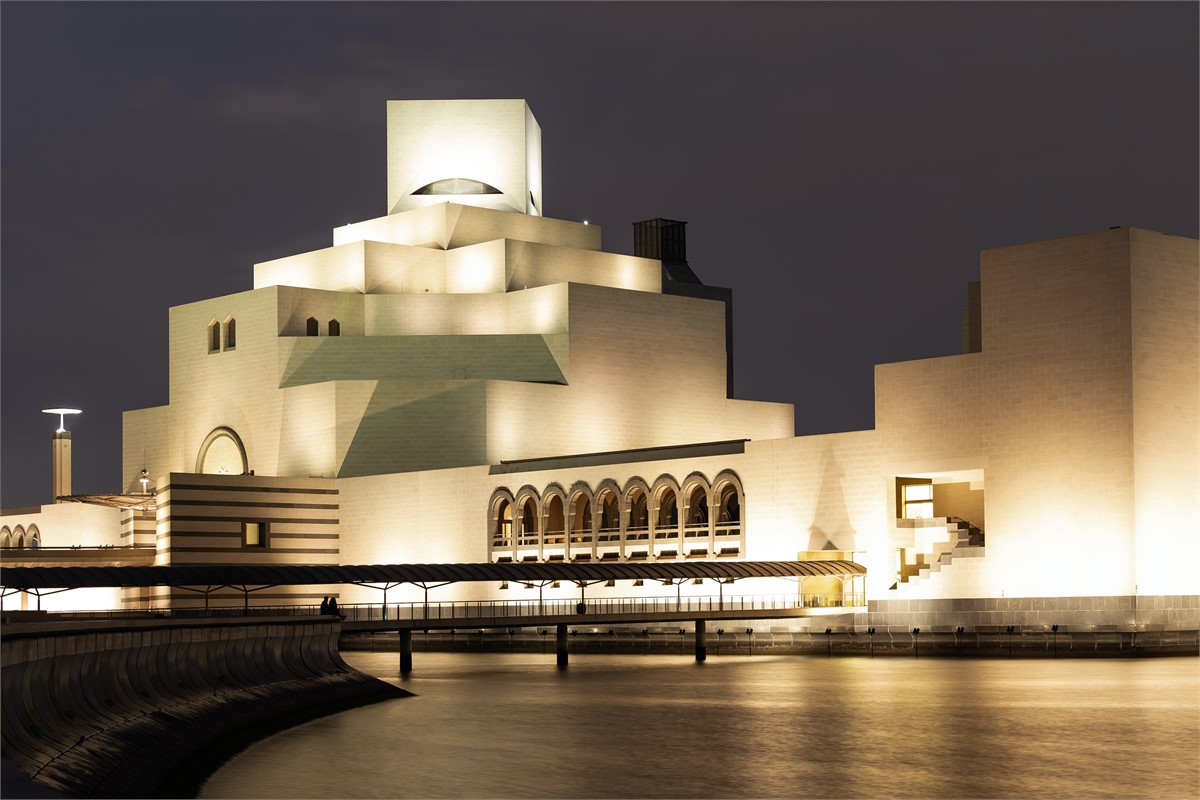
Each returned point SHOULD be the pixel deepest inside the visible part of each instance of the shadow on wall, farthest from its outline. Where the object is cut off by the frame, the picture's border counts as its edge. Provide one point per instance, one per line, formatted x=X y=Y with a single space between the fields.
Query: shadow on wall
x=408 y=428
x=831 y=528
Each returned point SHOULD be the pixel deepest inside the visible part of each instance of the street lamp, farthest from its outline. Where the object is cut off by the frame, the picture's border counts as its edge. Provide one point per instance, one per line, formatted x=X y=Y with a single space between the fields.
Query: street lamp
x=62 y=412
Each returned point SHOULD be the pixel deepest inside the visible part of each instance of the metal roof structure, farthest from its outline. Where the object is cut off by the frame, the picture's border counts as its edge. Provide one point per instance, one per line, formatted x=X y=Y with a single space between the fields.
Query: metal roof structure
x=37 y=578
x=125 y=502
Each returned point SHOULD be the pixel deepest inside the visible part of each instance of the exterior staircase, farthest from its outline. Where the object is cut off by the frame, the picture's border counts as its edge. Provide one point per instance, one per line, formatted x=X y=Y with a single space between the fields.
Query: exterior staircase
x=962 y=547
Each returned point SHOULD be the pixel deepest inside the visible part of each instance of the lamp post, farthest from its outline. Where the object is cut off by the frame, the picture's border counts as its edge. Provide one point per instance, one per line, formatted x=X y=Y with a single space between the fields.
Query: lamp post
x=62 y=453
x=957 y=644
x=750 y=636
x=1010 y=633
x=916 y=643
x=829 y=642
x=1054 y=630
x=871 y=634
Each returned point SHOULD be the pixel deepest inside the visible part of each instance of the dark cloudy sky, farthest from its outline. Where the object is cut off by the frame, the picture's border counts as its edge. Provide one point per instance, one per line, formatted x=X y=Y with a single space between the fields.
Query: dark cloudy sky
x=839 y=165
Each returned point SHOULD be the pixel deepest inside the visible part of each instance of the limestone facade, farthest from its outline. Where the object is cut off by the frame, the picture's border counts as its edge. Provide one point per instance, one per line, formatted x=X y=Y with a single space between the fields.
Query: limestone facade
x=468 y=380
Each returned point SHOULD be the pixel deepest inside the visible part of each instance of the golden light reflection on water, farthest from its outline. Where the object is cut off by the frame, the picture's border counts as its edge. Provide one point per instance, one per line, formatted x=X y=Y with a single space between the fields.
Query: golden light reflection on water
x=510 y=725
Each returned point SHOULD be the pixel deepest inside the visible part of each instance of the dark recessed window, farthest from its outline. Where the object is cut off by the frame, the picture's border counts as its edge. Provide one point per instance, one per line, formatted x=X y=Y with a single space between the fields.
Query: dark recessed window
x=230 y=333
x=312 y=327
x=335 y=328
x=254 y=534
x=214 y=337
x=457 y=186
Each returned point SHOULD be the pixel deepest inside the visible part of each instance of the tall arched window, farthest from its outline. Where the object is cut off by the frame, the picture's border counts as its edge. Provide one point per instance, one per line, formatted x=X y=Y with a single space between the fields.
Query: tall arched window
x=639 y=519
x=668 y=511
x=335 y=328
x=610 y=521
x=35 y=537
x=5 y=537
x=230 y=333
x=727 y=504
x=214 y=337
x=529 y=526
x=731 y=509
x=19 y=537
x=312 y=327
x=502 y=535
x=556 y=522
x=581 y=521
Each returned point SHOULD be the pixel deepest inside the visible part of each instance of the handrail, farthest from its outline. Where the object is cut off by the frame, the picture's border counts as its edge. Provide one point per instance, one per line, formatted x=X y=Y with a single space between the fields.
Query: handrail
x=515 y=610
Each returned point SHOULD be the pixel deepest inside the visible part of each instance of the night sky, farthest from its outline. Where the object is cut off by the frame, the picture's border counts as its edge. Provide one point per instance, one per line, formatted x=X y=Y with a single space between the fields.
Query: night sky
x=840 y=166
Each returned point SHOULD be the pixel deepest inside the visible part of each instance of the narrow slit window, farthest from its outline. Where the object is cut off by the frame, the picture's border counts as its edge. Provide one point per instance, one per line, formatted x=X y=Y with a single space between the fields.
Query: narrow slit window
x=230 y=333
x=214 y=337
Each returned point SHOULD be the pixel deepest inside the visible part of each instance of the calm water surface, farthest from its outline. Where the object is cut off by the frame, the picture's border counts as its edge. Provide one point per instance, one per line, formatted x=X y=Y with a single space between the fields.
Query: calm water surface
x=512 y=726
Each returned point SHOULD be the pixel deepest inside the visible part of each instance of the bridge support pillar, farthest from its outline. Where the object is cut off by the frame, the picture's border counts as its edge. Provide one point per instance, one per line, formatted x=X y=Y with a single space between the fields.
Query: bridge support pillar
x=560 y=645
x=405 y=651
x=701 y=643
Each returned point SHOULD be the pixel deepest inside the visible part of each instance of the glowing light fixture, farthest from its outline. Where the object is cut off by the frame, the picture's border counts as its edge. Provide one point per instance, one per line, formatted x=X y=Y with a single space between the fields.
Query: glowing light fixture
x=62 y=412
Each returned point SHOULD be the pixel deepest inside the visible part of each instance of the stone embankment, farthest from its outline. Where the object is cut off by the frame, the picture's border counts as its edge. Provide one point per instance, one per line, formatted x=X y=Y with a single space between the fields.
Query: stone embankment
x=145 y=707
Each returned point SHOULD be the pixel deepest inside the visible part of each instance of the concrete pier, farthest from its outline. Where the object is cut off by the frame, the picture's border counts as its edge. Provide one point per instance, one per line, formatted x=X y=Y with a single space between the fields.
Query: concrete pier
x=560 y=645
x=405 y=651
x=701 y=641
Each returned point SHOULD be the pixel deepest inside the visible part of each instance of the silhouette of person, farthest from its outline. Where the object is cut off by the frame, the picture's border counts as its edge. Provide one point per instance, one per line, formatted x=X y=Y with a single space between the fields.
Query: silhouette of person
x=333 y=609
x=324 y=606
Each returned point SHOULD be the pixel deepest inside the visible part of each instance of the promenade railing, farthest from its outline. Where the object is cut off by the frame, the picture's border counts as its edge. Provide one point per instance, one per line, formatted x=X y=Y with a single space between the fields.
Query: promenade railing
x=508 y=610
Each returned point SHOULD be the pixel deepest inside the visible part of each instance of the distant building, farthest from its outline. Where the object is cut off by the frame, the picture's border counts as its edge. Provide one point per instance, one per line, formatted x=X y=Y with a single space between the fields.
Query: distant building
x=468 y=380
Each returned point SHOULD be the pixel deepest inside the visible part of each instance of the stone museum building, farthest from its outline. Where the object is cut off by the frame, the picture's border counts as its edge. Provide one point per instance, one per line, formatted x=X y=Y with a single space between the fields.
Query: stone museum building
x=466 y=380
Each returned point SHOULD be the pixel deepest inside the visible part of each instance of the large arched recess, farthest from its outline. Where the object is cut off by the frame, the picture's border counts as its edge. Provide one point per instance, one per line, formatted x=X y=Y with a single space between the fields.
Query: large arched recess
x=222 y=453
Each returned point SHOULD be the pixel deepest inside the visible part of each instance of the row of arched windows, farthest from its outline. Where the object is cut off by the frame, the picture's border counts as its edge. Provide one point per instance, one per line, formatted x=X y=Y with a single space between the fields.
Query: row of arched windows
x=20 y=537
x=668 y=519
x=222 y=335
x=312 y=327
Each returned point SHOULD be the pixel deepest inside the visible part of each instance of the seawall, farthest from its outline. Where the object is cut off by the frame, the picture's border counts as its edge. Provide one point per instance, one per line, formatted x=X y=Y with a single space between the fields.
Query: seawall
x=143 y=707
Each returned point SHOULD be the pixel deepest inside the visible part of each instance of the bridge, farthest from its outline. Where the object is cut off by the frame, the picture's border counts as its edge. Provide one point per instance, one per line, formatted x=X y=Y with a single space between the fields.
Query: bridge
x=407 y=617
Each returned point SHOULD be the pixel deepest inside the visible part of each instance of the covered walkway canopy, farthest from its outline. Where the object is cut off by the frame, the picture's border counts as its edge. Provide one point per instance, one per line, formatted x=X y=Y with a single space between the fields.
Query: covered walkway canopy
x=37 y=578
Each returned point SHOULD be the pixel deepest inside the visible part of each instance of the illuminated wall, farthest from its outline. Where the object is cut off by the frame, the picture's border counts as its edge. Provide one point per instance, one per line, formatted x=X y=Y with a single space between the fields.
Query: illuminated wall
x=486 y=153
x=425 y=347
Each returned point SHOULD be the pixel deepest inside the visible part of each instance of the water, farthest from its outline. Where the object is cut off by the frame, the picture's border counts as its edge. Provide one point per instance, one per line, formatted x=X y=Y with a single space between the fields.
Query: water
x=512 y=726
